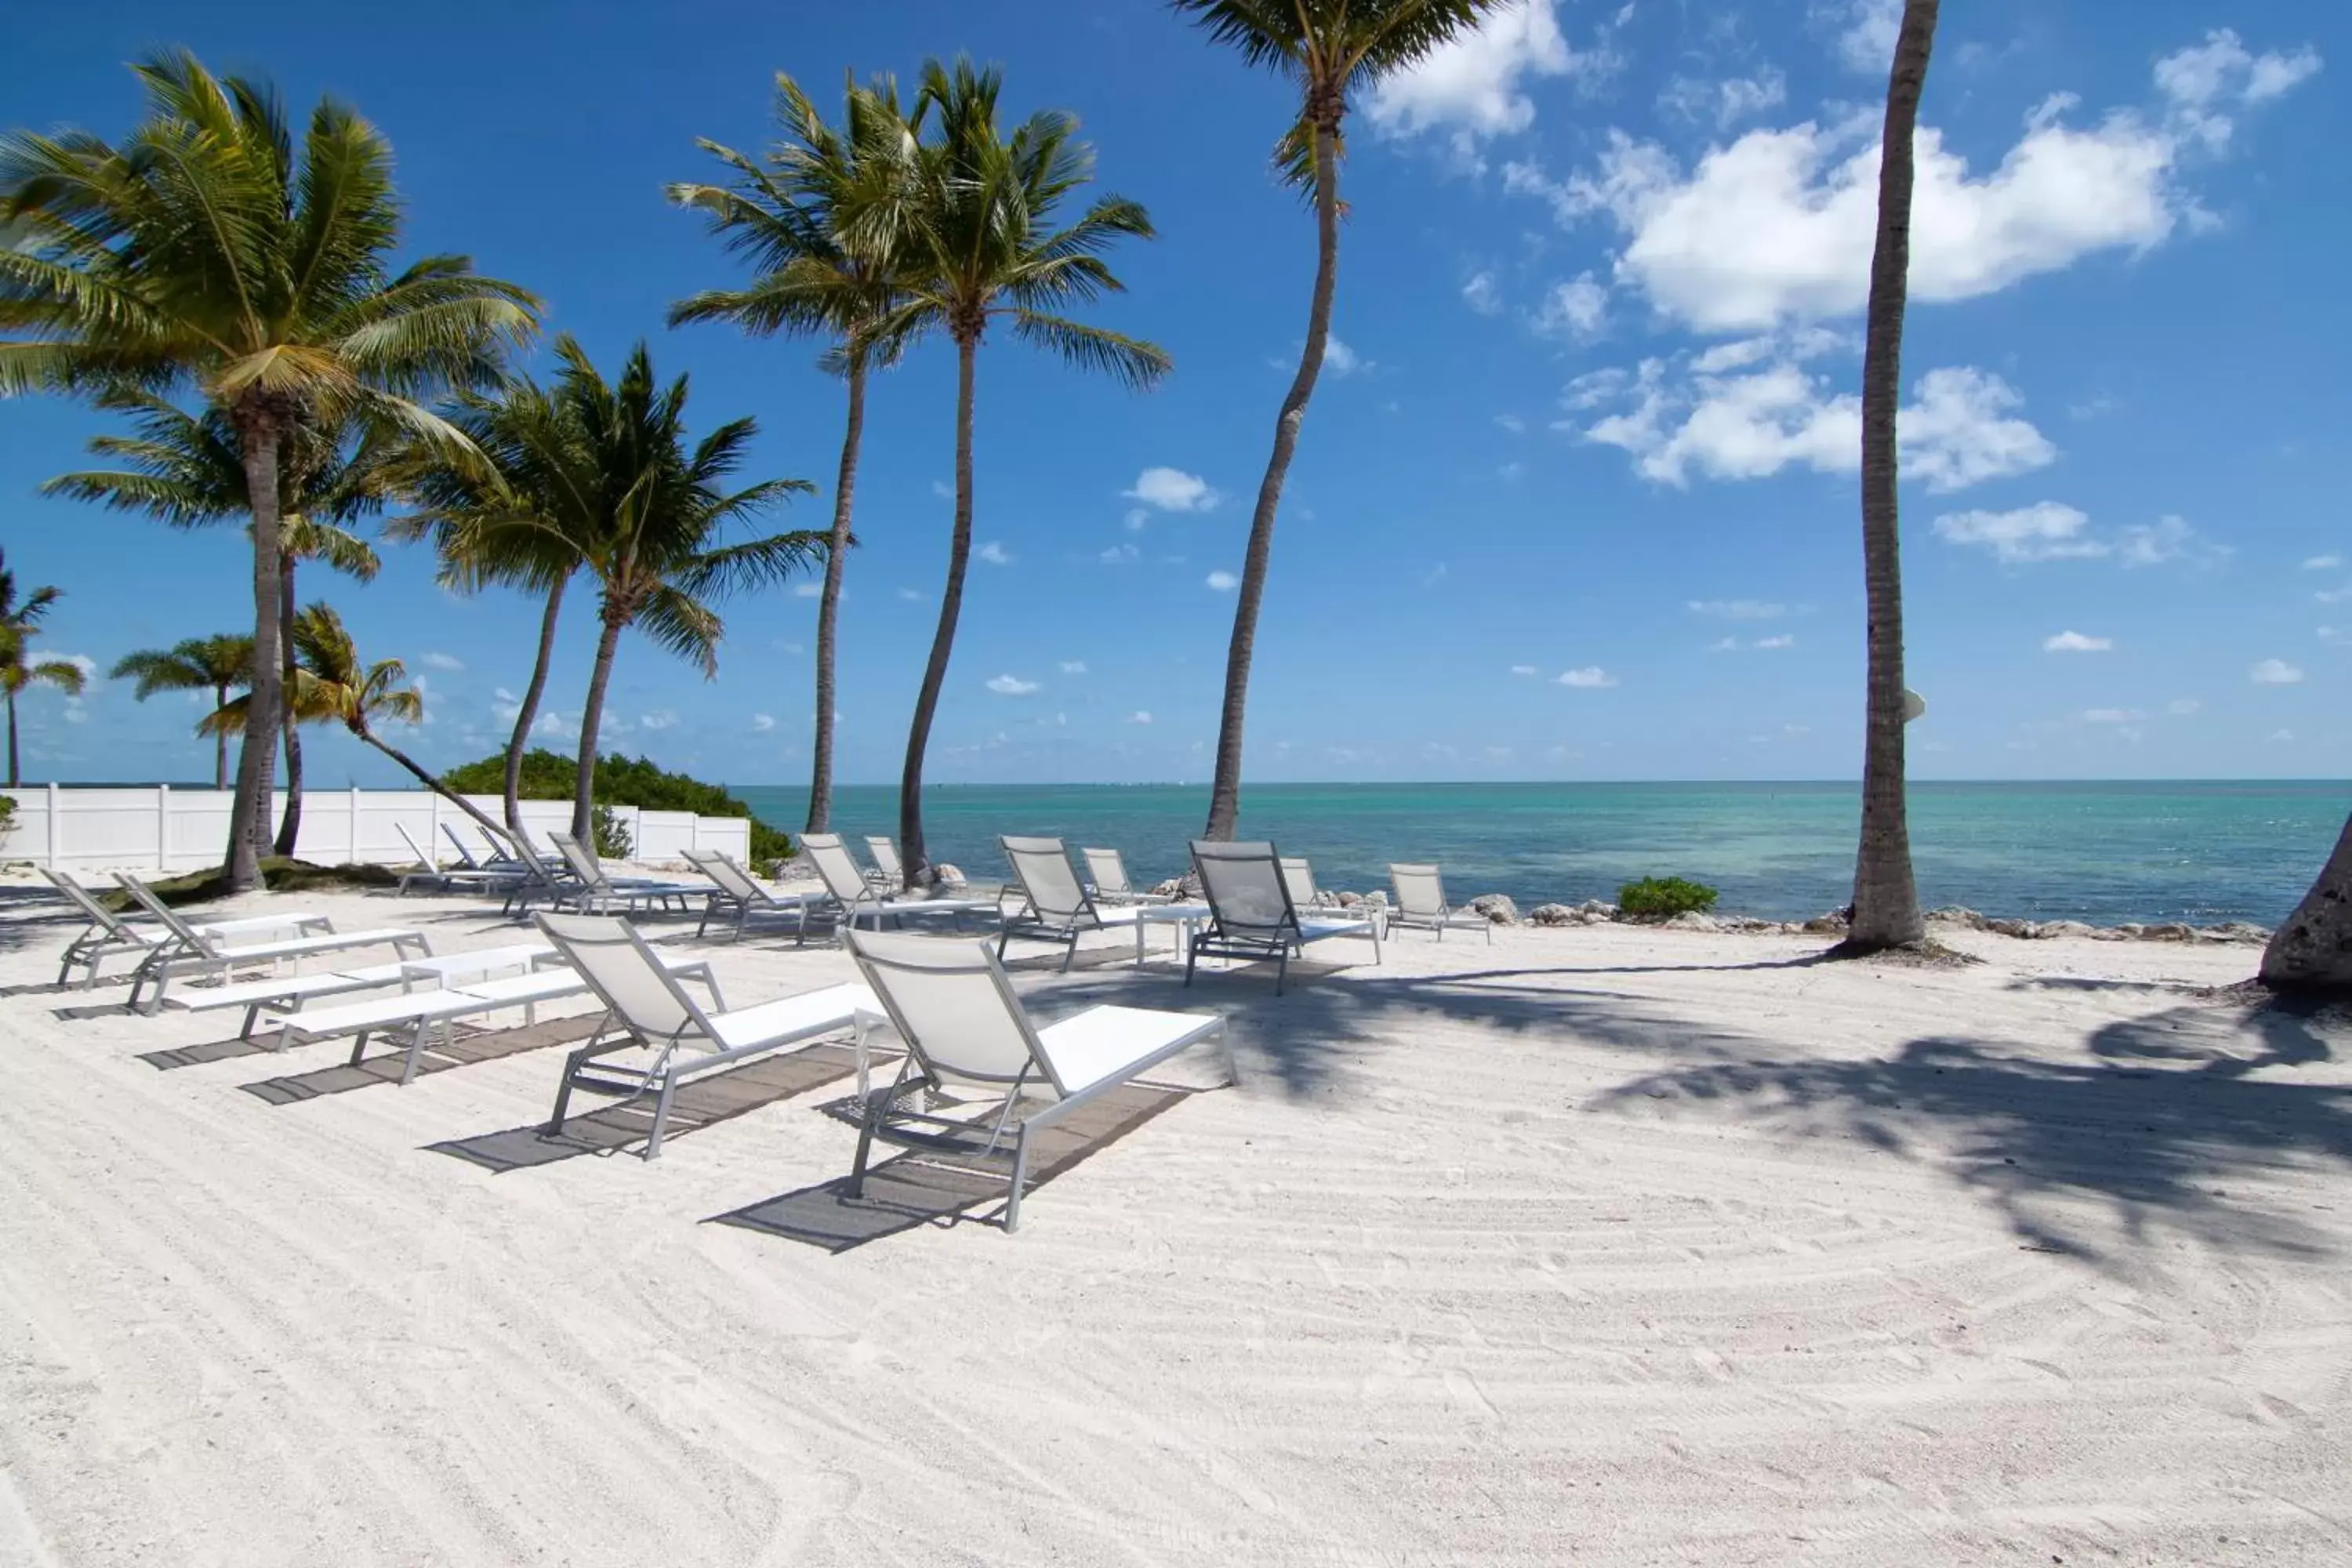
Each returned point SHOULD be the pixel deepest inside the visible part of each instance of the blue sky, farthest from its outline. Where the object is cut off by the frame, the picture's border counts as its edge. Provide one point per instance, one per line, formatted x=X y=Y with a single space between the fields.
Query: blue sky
x=1576 y=499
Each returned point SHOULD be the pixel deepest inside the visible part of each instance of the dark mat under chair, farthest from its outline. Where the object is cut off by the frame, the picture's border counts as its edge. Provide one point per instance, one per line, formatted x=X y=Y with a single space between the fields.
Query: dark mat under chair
x=392 y=1053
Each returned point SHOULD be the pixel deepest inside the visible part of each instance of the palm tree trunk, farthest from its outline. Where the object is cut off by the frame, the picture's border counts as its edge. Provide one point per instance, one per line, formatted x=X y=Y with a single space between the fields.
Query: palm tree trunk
x=2312 y=951
x=259 y=430
x=428 y=781
x=15 y=778
x=591 y=716
x=1885 y=897
x=220 y=742
x=1225 y=791
x=911 y=854
x=528 y=713
x=828 y=605
x=289 y=826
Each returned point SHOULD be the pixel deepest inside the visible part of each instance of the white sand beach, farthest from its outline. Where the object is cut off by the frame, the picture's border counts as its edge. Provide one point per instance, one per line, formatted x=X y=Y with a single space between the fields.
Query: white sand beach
x=1604 y=1245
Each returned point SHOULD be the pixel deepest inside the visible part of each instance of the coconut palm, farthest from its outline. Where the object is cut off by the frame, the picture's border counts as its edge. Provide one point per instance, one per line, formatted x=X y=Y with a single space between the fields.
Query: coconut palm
x=334 y=685
x=185 y=469
x=1328 y=48
x=2312 y=949
x=1885 y=897
x=205 y=250
x=19 y=624
x=979 y=248
x=822 y=219
x=597 y=476
x=218 y=665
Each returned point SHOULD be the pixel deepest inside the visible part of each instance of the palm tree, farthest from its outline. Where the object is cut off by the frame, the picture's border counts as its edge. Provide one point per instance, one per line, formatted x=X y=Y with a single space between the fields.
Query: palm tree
x=1329 y=49
x=204 y=251
x=332 y=684
x=981 y=246
x=2312 y=950
x=595 y=476
x=19 y=624
x=822 y=220
x=185 y=469
x=1885 y=897
x=218 y=665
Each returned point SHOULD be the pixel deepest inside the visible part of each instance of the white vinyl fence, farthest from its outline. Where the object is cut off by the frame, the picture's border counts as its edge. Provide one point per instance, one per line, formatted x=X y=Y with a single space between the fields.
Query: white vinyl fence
x=154 y=826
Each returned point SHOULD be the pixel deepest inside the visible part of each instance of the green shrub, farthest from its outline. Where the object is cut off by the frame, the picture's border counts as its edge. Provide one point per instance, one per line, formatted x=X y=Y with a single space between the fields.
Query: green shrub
x=1662 y=898
x=7 y=815
x=612 y=838
x=620 y=781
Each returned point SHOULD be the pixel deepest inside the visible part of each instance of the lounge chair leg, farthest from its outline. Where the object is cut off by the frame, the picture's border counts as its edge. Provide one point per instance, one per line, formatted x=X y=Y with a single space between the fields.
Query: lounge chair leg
x=1281 y=969
x=359 y=1047
x=1192 y=957
x=563 y=1090
x=661 y=1116
x=864 y=1145
x=1020 y=1179
x=1070 y=952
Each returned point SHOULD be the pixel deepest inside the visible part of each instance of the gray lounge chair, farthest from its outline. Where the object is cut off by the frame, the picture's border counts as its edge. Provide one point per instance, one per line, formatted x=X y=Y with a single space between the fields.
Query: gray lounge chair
x=1421 y=903
x=1250 y=915
x=965 y=1029
x=737 y=896
x=599 y=891
x=111 y=934
x=1299 y=876
x=1055 y=907
x=1106 y=872
x=890 y=873
x=850 y=897
x=192 y=950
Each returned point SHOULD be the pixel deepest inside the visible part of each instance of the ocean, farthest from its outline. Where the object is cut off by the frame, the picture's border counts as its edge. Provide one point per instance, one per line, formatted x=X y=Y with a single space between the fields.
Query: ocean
x=2103 y=852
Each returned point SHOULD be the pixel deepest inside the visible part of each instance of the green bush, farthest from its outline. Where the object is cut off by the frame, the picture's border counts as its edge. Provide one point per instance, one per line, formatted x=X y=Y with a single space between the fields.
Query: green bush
x=7 y=815
x=1662 y=898
x=612 y=838
x=620 y=781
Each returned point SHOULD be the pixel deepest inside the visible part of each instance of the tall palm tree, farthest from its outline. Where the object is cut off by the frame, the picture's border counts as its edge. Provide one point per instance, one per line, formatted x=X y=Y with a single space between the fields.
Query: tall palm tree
x=981 y=246
x=2312 y=949
x=598 y=475
x=1885 y=897
x=334 y=685
x=821 y=217
x=185 y=469
x=218 y=665
x=204 y=251
x=1329 y=49
x=19 y=624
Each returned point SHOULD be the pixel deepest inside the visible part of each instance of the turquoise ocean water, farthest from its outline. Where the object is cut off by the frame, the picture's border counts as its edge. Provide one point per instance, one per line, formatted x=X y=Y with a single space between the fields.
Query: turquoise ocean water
x=2106 y=853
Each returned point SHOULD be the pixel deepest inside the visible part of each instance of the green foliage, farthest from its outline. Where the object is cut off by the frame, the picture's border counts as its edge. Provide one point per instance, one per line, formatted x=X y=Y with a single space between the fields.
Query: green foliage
x=620 y=781
x=7 y=815
x=279 y=874
x=612 y=838
x=1662 y=898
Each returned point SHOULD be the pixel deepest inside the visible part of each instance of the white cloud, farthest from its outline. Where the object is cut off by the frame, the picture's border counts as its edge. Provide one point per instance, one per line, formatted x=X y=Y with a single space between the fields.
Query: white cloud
x=1523 y=669
x=1074 y=667
x=1738 y=609
x=503 y=695
x=2182 y=707
x=2323 y=564
x=2280 y=737
x=659 y=718
x=441 y=661
x=1591 y=675
x=2154 y=543
x=1481 y=294
x=1866 y=30
x=1724 y=645
x=995 y=554
x=1473 y=84
x=2046 y=530
x=1140 y=716
x=1513 y=422
x=550 y=722
x=762 y=723
x=1577 y=309
x=81 y=661
x=943 y=489
x=1340 y=359
x=1224 y=581
x=2274 y=672
x=1960 y=429
x=1786 y=639
x=807 y=590
x=1011 y=686
x=1727 y=103
x=2203 y=81
x=1119 y=554
x=2075 y=642
x=912 y=595
x=2112 y=716
x=1169 y=490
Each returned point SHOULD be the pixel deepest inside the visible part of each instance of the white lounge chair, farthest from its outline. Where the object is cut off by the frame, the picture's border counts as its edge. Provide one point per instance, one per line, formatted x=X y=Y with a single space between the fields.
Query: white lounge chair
x=284 y=993
x=190 y=950
x=1055 y=908
x=600 y=890
x=110 y=933
x=965 y=1028
x=647 y=1008
x=1421 y=903
x=735 y=893
x=1250 y=915
x=462 y=879
x=1106 y=871
x=890 y=873
x=500 y=858
x=1299 y=876
x=850 y=897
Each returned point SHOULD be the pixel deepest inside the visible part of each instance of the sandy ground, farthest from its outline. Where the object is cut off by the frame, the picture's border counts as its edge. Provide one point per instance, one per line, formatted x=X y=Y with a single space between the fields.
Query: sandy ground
x=1601 y=1245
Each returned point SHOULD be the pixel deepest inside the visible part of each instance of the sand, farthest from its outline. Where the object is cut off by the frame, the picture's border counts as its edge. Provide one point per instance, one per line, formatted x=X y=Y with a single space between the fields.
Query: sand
x=1601 y=1245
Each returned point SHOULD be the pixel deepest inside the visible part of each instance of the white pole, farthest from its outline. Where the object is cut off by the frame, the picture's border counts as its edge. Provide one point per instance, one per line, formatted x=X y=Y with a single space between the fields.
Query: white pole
x=162 y=827
x=353 y=857
x=56 y=826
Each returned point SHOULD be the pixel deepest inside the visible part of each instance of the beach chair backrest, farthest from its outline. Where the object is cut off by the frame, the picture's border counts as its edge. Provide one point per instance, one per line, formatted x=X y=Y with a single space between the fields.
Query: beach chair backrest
x=531 y=860
x=1299 y=877
x=1042 y=866
x=465 y=850
x=583 y=863
x=1421 y=892
x=145 y=898
x=106 y=919
x=1244 y=885
x=952 y=1006
x=886 y=860
x=607 y=952
x=1108 y=871
x=831 y=859
x=732 y=880
x=423 y=859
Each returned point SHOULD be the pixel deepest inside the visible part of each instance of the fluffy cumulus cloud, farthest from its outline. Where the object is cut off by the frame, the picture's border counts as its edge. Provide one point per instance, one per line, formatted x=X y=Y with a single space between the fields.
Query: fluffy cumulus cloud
x=1474 y=85
x=1576 y=308
x=2051 y=530
x=1751 y=421
x=1862 y=31
x=1224 y=581
x=1170 y=490
x=995 y=554
x=2274 y=672
x=1340 y=359
x=1727 y=103
x=762 y=722
x=1779 y=223
x=2076 y=642
x=1011 y=686
x=1481 y=294
x=1588 y=678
